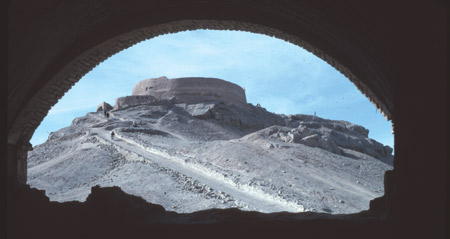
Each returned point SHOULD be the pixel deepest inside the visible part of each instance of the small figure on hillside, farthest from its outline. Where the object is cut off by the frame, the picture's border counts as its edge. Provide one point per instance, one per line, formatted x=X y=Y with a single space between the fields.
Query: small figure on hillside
x=112 y=134
x=314 y=114
x=134 y=124
x=107 y=115
x=104 y=113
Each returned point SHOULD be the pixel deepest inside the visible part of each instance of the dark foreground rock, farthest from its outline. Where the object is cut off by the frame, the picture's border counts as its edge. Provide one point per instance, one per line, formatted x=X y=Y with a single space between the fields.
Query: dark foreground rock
x=111 y=213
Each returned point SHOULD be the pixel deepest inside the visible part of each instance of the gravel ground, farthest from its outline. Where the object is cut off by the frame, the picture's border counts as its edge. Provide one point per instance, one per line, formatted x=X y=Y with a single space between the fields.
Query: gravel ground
x=173 y=157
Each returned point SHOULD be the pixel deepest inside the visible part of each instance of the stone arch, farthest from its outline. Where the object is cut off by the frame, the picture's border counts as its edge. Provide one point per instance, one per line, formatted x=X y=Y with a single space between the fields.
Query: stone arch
x=400 y=57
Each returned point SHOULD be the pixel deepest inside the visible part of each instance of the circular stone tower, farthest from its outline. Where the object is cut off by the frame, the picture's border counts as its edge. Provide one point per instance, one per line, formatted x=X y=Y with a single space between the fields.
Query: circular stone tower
x=192 y=90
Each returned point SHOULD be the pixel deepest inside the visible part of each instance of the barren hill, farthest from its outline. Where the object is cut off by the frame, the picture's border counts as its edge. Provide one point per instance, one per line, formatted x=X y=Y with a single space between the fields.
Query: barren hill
x=190 y=157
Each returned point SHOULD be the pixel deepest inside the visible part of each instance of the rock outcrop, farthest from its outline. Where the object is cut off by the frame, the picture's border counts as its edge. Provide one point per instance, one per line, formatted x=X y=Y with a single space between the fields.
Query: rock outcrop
x=250 y=117
x=331 y=135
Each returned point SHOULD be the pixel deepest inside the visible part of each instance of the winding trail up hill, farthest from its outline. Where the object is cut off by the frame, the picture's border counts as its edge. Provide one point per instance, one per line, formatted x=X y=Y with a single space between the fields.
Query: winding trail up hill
x=190 y=157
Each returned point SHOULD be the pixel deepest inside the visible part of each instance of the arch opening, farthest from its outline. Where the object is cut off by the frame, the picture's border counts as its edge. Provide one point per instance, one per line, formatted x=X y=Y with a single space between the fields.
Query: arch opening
x=385 y=46
x=22 y=127
x=263 y=105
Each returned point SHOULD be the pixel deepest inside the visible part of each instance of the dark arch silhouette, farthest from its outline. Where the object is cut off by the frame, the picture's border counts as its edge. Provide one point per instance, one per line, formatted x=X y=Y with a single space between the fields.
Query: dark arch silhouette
x=394 y=52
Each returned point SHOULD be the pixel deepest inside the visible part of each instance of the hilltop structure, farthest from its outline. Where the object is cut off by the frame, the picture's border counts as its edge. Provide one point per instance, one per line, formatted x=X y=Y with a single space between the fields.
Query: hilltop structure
x=189 y=90
x=211 y=155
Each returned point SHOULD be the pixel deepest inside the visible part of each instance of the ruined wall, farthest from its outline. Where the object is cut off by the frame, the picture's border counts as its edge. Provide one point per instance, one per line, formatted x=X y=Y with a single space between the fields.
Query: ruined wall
x=104 y=107
x=192 y=90
x=127 y=101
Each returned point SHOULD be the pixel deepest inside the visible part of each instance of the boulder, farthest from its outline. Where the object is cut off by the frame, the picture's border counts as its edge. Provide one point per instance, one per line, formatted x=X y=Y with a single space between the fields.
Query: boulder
x=296 y=135
x=320 y=141
x=201 y=111
x=359 y=129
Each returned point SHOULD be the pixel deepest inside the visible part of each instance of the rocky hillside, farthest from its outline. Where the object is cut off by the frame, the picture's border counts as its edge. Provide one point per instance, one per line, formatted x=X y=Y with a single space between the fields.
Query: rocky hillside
x=210 y=155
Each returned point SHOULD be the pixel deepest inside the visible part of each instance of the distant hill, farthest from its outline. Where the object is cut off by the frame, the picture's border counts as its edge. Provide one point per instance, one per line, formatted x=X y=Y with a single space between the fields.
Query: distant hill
x=210 y=155
x=197 y=156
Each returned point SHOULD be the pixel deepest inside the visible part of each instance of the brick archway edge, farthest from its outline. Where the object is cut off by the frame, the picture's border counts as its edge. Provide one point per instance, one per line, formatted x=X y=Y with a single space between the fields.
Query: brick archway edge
x=394 y=52
x=68 y=55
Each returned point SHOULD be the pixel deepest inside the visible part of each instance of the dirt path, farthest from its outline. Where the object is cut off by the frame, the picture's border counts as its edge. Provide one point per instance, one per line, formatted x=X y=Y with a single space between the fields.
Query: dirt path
x=244 y=195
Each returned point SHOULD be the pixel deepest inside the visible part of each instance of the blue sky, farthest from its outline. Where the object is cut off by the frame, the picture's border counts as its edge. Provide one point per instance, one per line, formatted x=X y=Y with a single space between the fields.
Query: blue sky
x=280 y=76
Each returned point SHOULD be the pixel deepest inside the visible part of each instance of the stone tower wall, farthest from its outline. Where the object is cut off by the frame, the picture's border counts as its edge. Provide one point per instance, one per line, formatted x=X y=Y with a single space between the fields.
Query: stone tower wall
x=128 y=101
x=192 y=90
